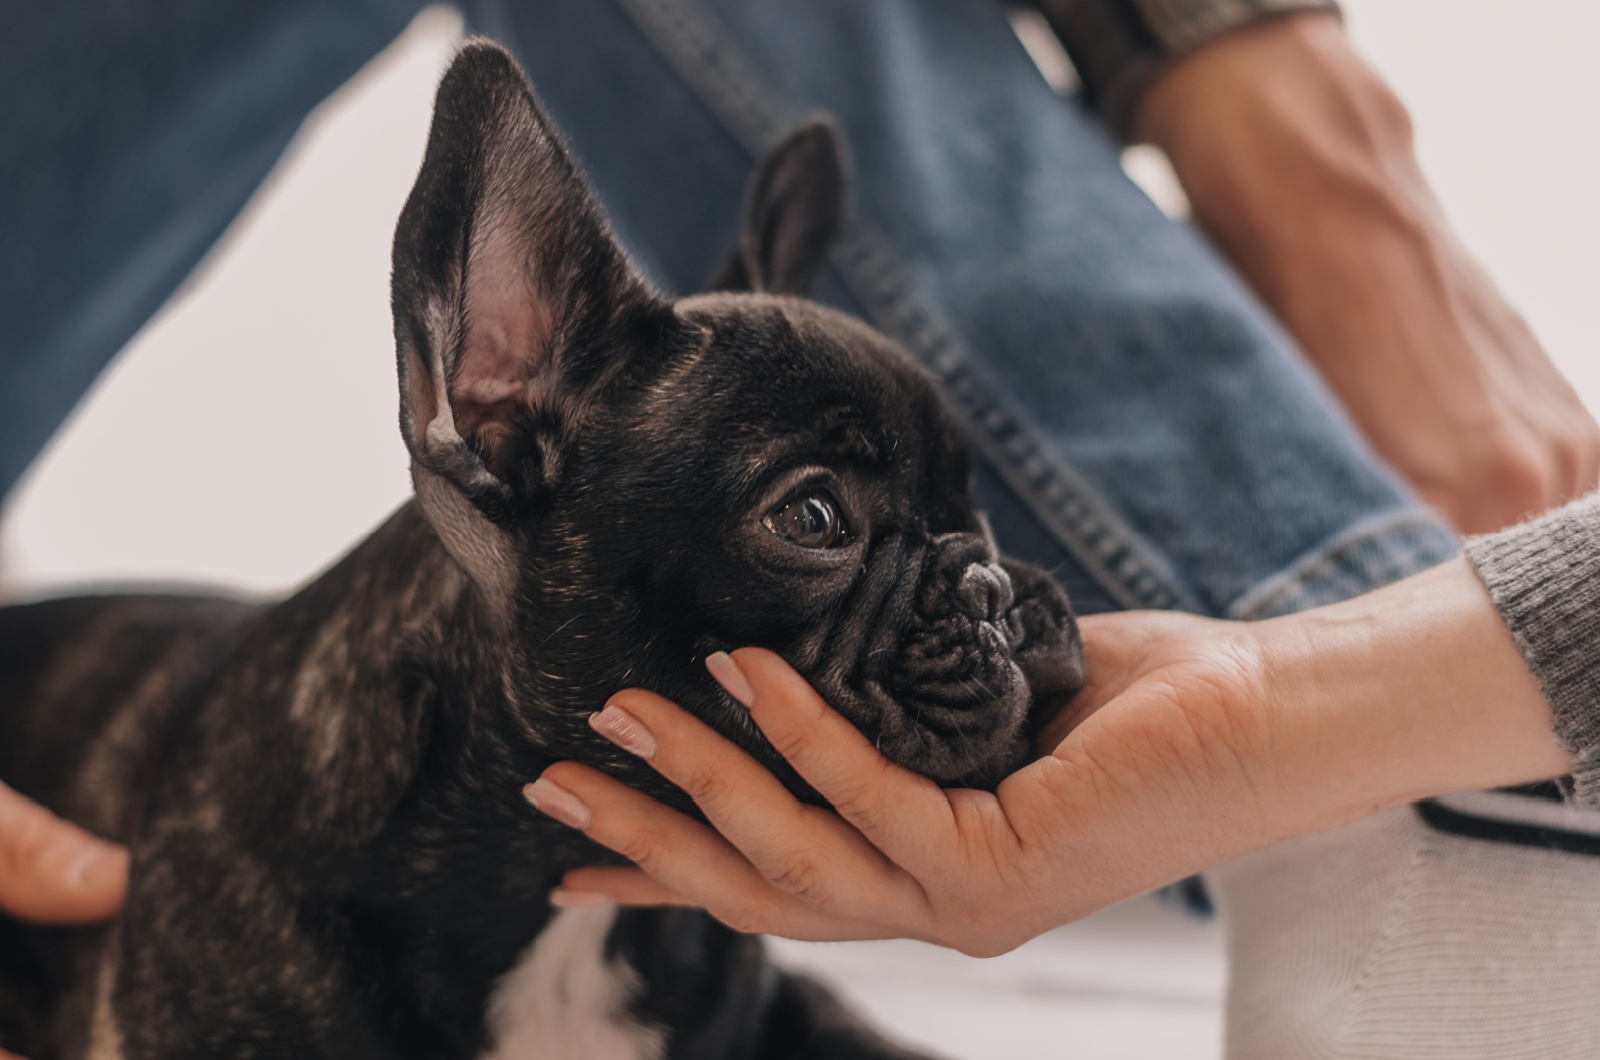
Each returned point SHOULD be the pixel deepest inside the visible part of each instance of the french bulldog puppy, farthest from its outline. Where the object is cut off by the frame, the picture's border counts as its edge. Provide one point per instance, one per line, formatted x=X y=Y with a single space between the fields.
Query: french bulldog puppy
x=331 y=853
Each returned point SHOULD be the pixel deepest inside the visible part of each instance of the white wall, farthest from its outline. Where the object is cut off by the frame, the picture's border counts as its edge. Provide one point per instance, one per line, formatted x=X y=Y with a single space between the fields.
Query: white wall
x=248 y=434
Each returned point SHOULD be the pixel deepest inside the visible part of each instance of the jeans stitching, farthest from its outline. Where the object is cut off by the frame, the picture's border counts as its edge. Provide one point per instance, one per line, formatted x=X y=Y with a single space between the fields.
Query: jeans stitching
x=1296 y=577
x=1068 y=507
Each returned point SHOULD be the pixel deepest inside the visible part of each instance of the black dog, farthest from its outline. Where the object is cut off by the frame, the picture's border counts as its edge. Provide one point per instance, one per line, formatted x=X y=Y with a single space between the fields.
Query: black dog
x=332 y=856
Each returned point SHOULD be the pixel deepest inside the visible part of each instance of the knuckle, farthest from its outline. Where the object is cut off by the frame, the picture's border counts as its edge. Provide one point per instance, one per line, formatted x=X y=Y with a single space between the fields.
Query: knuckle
x=1513 y=466
x=792 y=742
x=860 y=795
x=1518 y=474
x=645 y=849
x=1578 y=455
x=745 y=918
x=799 y=875
x=706 y=785
x=1582 y=439
x=1566 y=455
x=853 y=800
x=1589 y=438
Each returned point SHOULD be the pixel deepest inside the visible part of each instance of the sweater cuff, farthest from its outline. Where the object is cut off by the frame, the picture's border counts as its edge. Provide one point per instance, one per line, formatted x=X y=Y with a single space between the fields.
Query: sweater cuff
x=1544 y=577
x=1119 y=46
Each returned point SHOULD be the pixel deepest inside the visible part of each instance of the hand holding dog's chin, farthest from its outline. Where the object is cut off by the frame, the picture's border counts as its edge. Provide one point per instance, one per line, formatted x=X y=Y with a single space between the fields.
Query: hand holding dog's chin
x=1195 y=741
x=1299 y=163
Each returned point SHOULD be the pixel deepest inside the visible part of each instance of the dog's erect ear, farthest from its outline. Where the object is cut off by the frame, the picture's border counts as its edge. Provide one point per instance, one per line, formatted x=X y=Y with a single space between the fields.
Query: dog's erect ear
x=793 y=208
x=512 y=301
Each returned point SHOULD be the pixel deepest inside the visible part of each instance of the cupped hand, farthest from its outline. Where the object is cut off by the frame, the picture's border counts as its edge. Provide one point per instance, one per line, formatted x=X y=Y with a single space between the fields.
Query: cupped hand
x=53 y=872
x=1143 y=788
x=1194 y=741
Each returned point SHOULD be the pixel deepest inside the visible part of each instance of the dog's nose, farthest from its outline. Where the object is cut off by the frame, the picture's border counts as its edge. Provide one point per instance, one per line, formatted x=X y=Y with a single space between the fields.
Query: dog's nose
x=985 y=592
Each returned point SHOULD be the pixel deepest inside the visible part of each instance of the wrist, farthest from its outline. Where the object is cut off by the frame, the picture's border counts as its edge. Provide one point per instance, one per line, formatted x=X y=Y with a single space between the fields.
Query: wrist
x=1285 y=140
x=1411 y=691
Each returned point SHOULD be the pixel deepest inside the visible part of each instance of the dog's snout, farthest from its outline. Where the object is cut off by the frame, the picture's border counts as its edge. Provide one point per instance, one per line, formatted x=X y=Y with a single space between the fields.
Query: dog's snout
x=985 y=592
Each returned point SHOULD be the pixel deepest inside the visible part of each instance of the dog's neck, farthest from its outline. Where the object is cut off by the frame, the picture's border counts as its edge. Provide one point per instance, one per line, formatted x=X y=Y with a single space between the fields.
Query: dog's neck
x=403 y=674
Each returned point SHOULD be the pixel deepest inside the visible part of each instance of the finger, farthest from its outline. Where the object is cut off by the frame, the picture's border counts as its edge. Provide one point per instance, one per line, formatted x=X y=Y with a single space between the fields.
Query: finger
x=626 y=886
x=801 y=849
x=903 y=814
x=53 y=872
x=685 y=856
x=1115 y=646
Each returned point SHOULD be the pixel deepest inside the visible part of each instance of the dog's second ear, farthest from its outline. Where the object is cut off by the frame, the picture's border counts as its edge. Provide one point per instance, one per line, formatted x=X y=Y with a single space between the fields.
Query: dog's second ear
x=793 y=208
x=512 y=301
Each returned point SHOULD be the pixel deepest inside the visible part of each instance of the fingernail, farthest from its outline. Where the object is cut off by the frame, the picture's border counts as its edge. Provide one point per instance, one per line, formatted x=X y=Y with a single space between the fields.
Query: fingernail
x=562 y=898
x=556 y=802
x=730 y=677
x=624 y=730
x=99 y=867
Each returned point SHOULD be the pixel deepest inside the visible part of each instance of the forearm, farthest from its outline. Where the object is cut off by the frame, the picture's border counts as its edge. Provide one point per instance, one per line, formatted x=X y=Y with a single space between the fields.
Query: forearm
x=1284 y=137
x=1408 y=692
x=1298 y=161
x=1544 y=577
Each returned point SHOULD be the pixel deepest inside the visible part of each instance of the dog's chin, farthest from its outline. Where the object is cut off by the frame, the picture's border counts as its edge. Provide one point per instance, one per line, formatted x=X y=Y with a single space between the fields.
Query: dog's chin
x=963 y=707
x=960 y=718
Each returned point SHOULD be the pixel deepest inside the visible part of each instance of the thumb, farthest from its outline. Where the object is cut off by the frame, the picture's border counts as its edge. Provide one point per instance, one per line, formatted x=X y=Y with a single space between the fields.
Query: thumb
x=1118 y=649
x=53 y=872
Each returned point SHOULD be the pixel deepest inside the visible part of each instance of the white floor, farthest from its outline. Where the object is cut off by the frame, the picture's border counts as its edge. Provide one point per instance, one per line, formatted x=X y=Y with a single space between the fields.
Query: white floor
x=247 y=437
x=1137 y=982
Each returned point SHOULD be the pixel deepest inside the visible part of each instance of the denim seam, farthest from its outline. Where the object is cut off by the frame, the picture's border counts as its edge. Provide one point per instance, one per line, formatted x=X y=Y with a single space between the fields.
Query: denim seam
x=1133 y=574
x=1259 y=598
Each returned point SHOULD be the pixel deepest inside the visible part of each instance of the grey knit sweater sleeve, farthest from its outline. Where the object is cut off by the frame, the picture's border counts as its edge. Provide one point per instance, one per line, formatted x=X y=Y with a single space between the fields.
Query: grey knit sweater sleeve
x=1544 y=576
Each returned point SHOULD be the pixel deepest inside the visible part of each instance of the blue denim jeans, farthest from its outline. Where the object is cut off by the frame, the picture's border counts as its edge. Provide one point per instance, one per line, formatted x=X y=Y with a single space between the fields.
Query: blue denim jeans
x=1144 y=429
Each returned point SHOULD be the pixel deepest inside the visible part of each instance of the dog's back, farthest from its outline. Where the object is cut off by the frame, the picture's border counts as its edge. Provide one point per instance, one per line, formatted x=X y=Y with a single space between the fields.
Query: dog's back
x=88 y=686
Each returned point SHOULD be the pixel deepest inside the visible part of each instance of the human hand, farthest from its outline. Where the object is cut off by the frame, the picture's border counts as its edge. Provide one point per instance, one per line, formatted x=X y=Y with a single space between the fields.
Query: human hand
x=1299 y=163
x=53 y=872
x=972 y=870
x=1194 y=742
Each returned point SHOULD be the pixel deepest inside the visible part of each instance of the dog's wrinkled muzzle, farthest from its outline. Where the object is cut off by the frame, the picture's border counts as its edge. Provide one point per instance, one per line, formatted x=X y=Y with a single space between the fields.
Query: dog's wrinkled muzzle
x=952 y=690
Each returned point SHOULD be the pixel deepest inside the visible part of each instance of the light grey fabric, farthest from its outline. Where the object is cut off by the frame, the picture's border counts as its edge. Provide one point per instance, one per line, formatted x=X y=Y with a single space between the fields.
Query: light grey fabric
x=1544 y=576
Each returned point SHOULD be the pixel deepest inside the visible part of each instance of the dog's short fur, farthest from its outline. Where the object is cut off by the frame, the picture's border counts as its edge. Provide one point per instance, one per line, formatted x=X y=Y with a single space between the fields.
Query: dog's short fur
x=332 y=857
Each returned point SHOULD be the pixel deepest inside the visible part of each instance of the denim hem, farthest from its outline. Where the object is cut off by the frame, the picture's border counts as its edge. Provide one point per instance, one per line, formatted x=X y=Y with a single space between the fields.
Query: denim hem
x=1131 y=573
x=1366 y=555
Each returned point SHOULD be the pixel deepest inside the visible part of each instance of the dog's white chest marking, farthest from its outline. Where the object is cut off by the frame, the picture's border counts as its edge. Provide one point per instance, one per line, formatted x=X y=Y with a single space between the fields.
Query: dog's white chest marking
x=565 y=1001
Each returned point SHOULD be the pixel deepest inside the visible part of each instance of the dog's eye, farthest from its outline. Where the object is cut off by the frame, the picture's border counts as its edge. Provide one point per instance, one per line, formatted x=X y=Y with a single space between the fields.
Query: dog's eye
x=811 y=521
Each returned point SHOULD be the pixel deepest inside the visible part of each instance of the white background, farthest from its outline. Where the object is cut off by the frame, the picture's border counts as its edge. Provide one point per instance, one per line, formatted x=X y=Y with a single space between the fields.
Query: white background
x=247 y=436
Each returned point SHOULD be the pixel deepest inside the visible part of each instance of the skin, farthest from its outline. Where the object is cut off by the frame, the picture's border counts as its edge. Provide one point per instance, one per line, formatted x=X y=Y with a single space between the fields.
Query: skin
x=52 y=872
x=1298 y=161
x=1195 y=741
